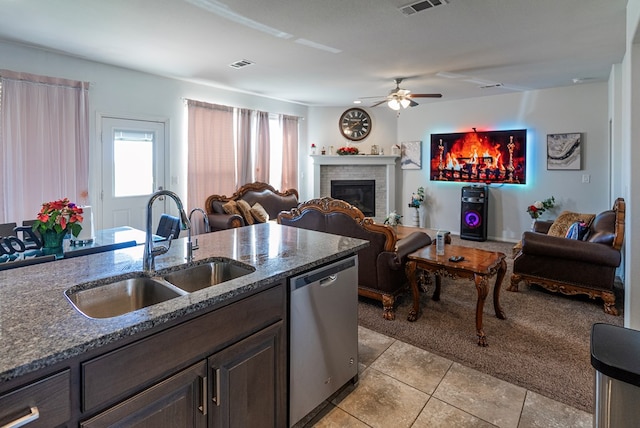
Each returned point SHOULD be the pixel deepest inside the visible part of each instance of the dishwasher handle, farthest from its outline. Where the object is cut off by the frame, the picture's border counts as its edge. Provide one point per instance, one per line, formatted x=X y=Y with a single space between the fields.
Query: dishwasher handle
x=324 y=275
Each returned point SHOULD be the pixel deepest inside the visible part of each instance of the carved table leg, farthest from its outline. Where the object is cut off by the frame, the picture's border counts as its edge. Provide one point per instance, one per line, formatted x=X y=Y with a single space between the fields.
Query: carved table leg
x=410 y=270
x=482 y=287
x=502 y=270
x=424 y=279
x=436 y=292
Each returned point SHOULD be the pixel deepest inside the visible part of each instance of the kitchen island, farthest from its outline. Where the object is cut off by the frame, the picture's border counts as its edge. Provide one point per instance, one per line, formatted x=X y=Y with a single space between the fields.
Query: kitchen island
x=42 y=334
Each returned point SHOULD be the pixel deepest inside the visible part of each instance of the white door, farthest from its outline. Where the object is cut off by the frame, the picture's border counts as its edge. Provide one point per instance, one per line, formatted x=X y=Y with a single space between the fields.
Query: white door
x=132 y=169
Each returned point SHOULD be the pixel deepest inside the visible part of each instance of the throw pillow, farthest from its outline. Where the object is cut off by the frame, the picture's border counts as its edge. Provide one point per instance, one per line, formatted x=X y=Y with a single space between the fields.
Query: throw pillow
x=245 y=209
x=231 y=208
x=259 y=213
x=578 y=230
x=566 y=219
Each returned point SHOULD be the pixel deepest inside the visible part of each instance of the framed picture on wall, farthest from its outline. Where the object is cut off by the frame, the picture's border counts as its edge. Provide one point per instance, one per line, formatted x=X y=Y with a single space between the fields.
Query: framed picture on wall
x=564 y=151
x=411 y=155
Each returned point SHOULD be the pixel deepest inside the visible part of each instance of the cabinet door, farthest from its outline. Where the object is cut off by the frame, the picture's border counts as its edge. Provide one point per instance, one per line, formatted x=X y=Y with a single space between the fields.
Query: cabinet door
x=179 y=401
x=248 y=381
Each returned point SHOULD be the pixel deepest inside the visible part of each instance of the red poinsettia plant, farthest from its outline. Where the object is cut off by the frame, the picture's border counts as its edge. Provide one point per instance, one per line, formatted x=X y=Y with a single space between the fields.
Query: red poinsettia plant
x=348 y=151
x=59 y=216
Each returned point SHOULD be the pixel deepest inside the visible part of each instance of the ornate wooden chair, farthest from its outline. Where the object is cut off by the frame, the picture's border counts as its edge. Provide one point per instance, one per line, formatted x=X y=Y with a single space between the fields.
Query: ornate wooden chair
x=381 y=273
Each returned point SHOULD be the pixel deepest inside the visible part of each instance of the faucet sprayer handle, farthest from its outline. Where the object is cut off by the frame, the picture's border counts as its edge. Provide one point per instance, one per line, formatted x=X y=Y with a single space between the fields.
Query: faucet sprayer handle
x=160 y=249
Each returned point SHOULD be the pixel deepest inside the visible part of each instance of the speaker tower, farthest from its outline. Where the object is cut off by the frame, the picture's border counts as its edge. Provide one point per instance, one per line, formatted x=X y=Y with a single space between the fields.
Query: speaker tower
x=473 y=213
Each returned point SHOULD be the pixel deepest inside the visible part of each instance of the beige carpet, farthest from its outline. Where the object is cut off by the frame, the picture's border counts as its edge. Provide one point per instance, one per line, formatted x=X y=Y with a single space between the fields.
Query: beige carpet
x=543 y=345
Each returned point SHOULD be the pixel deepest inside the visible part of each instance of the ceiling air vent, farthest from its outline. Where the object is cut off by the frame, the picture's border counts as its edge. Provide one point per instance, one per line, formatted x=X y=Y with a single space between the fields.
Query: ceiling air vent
x=241 y=64
x=421 y=5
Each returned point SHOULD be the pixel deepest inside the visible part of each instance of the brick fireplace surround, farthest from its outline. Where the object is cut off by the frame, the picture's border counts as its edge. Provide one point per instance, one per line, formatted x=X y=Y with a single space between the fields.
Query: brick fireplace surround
x=380 y=168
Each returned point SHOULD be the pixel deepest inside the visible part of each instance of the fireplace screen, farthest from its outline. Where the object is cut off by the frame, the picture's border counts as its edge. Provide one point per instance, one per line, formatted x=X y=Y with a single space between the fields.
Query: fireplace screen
x=359 y=193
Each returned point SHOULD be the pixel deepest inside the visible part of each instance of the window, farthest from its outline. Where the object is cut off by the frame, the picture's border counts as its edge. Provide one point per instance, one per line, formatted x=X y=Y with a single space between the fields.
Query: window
x=49 y=161
x=133 y=164
x=229 y=147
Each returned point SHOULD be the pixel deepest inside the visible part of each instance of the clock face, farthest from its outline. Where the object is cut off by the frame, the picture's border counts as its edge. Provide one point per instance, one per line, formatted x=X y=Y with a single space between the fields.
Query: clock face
x=355 y=124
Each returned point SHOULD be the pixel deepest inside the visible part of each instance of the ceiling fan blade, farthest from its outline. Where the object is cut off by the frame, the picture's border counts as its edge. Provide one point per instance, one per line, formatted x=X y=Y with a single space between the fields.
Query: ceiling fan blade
x=413 y=103
x=364 y=98
x=378 y=103
x=425 y=95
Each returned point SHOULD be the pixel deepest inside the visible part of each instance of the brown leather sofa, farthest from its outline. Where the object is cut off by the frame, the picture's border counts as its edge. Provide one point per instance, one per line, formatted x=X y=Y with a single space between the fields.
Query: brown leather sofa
x=571 y=266
x=272 y=200
x=381 y=273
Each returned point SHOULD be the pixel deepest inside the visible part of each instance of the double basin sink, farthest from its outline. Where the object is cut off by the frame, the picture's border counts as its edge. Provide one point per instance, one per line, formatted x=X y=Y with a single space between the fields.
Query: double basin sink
x=127 y=295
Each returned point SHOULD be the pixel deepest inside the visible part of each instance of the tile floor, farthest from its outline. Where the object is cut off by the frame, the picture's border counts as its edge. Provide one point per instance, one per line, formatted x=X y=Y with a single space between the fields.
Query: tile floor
x=404 y=386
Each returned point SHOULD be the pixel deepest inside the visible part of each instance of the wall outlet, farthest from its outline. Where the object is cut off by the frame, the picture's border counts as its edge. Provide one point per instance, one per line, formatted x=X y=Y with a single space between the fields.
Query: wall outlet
x=586 y=178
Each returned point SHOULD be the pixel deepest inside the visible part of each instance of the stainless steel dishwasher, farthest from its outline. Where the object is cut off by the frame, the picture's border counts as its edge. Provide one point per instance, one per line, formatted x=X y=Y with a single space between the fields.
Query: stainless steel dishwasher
x=323 y=334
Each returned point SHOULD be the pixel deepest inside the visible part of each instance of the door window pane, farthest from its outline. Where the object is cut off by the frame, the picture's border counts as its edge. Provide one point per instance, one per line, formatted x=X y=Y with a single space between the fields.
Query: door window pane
x=133 y=163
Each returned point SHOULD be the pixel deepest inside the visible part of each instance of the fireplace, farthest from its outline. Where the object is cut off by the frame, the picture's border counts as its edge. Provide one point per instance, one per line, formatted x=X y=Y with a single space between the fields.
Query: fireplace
x=359 y=193
x=380 y=168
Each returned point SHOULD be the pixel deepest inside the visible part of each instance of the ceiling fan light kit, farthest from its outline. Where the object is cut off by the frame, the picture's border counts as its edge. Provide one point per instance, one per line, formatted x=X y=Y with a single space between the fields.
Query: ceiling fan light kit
x=396 y=104
x=402 y=98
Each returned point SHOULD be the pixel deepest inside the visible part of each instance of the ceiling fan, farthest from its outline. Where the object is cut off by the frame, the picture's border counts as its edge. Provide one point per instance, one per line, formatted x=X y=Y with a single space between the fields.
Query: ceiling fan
x=402 y=98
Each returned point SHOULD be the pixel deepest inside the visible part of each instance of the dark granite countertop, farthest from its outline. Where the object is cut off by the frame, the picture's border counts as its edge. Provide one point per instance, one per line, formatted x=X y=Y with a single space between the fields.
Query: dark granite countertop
x=39 y=327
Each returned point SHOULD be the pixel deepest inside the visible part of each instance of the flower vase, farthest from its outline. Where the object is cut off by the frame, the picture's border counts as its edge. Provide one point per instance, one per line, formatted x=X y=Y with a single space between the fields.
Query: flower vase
x=416 y=217
x=533 y=224
x=422 y=214
x=52 y=241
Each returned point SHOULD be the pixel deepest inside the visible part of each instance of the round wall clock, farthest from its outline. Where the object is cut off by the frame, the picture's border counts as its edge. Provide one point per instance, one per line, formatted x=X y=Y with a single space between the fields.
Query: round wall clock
x=355 y=124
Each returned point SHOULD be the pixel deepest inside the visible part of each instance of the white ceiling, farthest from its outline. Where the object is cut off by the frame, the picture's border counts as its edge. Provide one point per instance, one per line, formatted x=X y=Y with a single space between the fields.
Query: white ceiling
x=452 y=49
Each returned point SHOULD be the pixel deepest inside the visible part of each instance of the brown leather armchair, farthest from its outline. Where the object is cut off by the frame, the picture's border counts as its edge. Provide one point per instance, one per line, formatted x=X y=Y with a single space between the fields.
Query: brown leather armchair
x=381 y=273
x=571 y=266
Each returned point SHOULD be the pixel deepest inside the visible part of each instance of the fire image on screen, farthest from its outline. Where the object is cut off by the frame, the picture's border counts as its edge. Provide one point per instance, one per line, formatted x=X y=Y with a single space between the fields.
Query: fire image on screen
x=479 y=157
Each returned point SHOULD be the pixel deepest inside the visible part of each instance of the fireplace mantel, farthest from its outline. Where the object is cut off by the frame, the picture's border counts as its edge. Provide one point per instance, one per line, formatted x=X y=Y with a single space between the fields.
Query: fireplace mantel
x=355 y=160
x=365 y=161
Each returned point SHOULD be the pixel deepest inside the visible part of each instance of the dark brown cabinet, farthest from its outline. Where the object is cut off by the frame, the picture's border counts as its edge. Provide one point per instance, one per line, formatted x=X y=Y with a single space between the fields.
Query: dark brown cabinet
x=179 y=401
x=246 y=384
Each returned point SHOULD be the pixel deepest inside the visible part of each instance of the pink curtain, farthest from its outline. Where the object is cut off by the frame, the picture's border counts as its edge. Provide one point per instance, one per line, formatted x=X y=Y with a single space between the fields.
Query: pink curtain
x=243 y=141
x=289 y=125
x=263 y=149
x=44 y=143
x=211 y=159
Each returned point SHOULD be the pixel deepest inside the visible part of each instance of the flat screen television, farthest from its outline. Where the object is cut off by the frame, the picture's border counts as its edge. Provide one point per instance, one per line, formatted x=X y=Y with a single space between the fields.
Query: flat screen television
x=479 y=157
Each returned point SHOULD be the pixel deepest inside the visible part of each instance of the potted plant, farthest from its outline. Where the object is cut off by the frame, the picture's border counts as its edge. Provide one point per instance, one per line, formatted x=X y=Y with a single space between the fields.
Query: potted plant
x=55 y=220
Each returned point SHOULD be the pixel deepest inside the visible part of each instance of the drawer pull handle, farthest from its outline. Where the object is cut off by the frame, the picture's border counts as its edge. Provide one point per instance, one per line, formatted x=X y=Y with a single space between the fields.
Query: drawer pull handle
x=32 y=416
x=216 y=387
x=203 y=398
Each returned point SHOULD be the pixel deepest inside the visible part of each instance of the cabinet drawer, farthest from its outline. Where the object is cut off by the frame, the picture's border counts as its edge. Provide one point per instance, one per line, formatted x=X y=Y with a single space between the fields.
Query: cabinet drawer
x=49 y=398
x=120 y=373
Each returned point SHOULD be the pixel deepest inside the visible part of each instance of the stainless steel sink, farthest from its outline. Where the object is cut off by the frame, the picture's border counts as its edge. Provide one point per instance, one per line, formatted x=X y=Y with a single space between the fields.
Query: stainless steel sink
x=127 y=295
x=205 y=275
x=121 y=297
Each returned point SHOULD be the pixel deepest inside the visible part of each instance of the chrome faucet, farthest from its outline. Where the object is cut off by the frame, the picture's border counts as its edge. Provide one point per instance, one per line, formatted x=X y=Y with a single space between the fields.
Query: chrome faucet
x=151 y=251
x=190 y=245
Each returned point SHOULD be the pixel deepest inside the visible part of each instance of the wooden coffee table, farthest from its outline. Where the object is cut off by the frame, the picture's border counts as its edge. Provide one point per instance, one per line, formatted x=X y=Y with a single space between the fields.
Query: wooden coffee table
x=478 y=265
